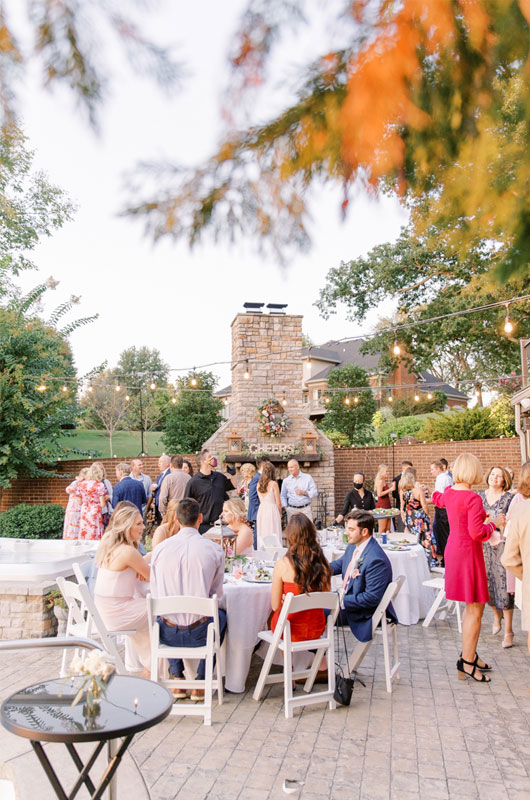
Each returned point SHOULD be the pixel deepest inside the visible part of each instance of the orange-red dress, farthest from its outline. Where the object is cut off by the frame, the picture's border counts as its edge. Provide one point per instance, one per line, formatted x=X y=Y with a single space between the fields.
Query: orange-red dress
x=304 y=624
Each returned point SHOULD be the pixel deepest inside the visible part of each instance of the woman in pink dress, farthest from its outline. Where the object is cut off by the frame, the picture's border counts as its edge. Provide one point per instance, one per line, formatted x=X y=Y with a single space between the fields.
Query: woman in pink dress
x=92 y=493
x=73 y=509
x=465 y=572
x=118 y=590
x=269 y=521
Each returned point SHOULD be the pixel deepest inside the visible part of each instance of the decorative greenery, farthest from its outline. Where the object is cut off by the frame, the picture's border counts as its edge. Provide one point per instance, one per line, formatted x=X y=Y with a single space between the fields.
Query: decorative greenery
x=55 y=598
x=503 y=414
x=471 y=423
x=401 y=426
x=33 y=522
x=272 y=419
x=350 y=410
x=338 y=438
x=195 y=416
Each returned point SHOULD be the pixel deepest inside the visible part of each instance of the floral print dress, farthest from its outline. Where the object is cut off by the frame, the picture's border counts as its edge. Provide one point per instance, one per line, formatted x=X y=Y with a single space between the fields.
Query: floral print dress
x=418 y=522
x=72 y=513
x=500 y=597
x=91 y=517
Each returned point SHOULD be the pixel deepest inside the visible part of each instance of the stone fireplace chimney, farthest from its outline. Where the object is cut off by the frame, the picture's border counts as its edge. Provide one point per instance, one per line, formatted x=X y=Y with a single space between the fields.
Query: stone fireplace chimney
x=267 y=348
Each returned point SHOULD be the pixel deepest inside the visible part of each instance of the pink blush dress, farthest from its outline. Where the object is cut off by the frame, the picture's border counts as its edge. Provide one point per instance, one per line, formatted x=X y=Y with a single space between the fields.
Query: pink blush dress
x=72 y=513
x=465 y=571
x=116 y=598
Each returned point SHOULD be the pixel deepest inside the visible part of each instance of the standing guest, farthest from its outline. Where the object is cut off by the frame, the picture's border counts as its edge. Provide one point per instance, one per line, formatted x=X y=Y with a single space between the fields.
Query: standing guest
x=164 y=466
x=511 y=473
x=187 y=468
x=174 y=485
x=128 y=488
x=397 y=521
x=270 y=505
x=253 y=499
x=138 y=475
x=445 y=462
x=441 y=521
x=93 y=495
x=516 y=556
x=120 y=566
x=358 y=497
x=298 y=489
x=465 y=573
x=235 y=516
x=73 y=508
x=496 y=500
x=170 y=524
x=210 y=489
x=107 y=508
x=246 y=472
x=415 y=513
x=303 y=569
x=188 y=564
x=383 y=492
x=366 y=573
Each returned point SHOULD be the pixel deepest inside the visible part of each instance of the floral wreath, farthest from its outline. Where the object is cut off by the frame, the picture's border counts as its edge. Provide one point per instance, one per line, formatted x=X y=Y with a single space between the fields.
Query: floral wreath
x=273 y=421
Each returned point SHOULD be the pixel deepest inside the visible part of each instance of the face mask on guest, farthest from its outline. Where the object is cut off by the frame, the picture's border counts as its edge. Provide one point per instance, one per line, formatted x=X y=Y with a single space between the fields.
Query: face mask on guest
x=358 y=485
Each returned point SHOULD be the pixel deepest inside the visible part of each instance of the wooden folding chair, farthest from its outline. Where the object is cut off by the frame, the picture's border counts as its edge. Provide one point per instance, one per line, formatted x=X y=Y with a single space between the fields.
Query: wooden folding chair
x=204 y=607
x=323 y=646
x=379 y=618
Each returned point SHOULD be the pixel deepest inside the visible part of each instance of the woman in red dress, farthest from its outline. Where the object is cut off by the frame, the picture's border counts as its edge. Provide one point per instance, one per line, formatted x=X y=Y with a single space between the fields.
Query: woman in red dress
x=383 y=491
x=304 y=568
x=465 y=572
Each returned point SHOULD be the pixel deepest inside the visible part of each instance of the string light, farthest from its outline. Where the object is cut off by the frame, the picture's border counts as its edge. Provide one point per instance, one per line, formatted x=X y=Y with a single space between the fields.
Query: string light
x=416 y=397
x=429 y=396
x=247 y=373
x=508 y=324
x=355 y=399
x=390 y=399
x=117 y=388
x=65 y=388
x=90 y=389
x=396 y=349
x=127 y=397
x=174 y=400
x=41 y=387
x=347 y=401
x=225 y=402
x=326 y=399
x=152 y=386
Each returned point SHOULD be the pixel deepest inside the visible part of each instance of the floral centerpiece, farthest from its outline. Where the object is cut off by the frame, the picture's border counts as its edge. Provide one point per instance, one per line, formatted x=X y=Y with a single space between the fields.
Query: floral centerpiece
x=94 y=672
x=273 y=421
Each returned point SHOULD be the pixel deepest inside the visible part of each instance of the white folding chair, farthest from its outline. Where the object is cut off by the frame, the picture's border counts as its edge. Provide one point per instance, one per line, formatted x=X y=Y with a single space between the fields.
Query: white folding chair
x=204 y=607
x=441 y=605
x=270 y=554
x=269 y=543
x=323 y=646
x=379 y=617
x=85 y=620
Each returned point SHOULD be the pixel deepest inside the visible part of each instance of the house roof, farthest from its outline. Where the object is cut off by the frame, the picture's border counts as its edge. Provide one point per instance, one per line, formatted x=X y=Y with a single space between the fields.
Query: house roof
x=430 y=381
x=340 y=354
x=322 y=354
x=225 y=392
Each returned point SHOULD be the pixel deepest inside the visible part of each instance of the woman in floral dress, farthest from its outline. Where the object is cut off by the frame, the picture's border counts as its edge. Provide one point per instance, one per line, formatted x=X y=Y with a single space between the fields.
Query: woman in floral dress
x=415 y=515
x=93 y=495
x=73 y=509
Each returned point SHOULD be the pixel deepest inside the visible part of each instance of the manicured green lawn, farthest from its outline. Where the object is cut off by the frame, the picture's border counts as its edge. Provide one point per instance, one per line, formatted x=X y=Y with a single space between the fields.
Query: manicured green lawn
x=126 y=444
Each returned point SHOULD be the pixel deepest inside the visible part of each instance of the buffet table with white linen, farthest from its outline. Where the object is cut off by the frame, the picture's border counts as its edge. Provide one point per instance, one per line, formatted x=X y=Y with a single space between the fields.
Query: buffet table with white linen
x=248 y=606
x=414 y=600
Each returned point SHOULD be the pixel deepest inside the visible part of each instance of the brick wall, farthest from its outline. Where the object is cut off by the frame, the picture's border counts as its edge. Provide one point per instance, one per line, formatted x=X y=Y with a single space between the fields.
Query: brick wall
x=367 y=459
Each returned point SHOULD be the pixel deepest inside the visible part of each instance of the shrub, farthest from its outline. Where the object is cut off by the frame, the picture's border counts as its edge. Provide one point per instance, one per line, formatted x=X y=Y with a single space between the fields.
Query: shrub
x=338 y=438
x=406 y=406
x=402 y=426
x=470 y=423
x=503 y=414
x=33 y=522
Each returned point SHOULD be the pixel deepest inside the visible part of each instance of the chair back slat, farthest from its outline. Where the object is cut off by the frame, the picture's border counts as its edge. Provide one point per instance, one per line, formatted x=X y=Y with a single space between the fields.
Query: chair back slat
x=314 y=600
x=183 y=604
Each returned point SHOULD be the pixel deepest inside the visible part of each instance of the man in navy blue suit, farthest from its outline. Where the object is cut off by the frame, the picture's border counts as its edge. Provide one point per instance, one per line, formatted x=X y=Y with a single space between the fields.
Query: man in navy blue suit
x=253 y=499
x=366 y=573
x=128 y=488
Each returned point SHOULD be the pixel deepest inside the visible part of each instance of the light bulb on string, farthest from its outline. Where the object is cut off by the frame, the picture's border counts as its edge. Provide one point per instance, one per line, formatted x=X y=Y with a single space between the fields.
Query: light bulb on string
x=347 y=401
x=225 y=402
x=326 y=399
x=117 y=388
x=65 y=388
x=152 y=386
x=429 y=396
x=508 y=324
x=193 y=381
x=174 y=400
x=390 y=399
x=127 y=397
x=396 y=348
x=416 y=397
x=355 y=399
x=90 y=389
x=41 y=387
x=247 y=373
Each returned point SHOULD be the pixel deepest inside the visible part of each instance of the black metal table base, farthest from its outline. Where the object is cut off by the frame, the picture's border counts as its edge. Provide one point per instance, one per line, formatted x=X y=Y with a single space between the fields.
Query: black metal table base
x=84 y=769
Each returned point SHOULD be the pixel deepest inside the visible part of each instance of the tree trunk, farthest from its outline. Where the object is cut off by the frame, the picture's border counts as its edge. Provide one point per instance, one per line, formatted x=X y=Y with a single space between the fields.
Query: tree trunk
x=478 y=394
x=110 y=444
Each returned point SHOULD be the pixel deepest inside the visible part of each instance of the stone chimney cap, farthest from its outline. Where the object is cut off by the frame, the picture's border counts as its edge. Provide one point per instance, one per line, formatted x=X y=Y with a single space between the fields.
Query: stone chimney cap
x=276 y=308
x=253 y=308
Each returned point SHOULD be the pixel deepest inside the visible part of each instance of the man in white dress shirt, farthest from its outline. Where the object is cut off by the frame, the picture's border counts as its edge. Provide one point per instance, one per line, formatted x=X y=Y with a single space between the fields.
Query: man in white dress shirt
x=298 y=489
x=187 y=564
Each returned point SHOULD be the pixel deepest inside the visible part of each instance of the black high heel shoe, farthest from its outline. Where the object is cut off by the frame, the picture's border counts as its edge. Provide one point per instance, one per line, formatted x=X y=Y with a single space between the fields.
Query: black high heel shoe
x=462 y=674
x=485 y=668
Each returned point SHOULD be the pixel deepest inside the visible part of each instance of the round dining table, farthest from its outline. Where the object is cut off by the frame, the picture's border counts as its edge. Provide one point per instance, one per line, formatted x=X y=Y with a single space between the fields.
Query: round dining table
x=248 y=607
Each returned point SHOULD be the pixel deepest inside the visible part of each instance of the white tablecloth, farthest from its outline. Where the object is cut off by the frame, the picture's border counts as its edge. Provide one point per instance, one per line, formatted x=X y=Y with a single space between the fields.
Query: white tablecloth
x=248 y=606
x=414 y=600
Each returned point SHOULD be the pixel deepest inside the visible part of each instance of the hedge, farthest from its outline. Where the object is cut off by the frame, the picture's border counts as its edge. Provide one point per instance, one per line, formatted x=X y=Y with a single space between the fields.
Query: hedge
x=33 y=522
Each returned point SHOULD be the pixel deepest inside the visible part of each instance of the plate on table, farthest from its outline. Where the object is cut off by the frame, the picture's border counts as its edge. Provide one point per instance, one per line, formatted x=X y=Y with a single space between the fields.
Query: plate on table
x=396 y=547
x=249 y=579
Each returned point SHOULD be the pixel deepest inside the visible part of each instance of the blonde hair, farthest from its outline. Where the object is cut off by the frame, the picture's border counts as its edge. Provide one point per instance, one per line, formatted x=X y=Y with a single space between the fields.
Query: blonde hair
x=101 y=467
x=237 y=507
x=83 y=473
x=523 y=485
x=407 y=482
x=117 y=533
x=380 y=470
x=467 y=469
x=247 y=470
x=95 y=472
x=506 y=477
x=170 y=518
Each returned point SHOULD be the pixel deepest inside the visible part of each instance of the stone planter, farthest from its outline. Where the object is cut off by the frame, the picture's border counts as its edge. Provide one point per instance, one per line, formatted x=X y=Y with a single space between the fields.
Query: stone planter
x=61 y=615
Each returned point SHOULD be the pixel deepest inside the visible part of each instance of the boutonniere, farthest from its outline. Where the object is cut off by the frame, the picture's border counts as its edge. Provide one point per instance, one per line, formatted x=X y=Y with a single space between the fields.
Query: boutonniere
x=360 y=563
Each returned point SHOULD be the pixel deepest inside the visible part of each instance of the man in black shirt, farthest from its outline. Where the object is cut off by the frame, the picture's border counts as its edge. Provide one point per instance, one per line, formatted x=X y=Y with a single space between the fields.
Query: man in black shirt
x=358 y=497
x=210 y=489
x=399 y=525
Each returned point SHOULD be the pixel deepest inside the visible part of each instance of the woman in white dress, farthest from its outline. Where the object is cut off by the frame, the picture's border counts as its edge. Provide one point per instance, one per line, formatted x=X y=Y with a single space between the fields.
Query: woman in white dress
x=120 y=569
x=269 y=521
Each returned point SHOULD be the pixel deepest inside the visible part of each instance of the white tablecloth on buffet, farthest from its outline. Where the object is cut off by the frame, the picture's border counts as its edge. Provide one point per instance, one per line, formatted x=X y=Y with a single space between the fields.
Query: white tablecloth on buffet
x=248 y=606
x=414 y=600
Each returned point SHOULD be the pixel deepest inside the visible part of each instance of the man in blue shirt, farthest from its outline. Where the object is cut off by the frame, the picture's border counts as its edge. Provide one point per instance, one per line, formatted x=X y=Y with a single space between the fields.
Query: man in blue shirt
x=298 y=489
x=253 y=499
x=128 y=488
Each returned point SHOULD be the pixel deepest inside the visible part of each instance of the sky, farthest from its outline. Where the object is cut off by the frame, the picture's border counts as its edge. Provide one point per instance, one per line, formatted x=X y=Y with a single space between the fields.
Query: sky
x=165 y=296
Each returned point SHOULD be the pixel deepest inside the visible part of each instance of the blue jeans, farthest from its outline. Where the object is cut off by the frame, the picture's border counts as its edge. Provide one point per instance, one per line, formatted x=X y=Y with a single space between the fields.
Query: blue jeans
x=196 y=637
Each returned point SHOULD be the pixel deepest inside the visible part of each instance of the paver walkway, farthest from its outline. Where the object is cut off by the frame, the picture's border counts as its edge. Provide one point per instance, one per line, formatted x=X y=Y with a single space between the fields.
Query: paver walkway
x=434 y=737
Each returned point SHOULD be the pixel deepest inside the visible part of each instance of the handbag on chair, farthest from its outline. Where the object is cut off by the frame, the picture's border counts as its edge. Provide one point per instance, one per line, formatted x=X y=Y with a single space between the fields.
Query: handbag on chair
x=344 y=685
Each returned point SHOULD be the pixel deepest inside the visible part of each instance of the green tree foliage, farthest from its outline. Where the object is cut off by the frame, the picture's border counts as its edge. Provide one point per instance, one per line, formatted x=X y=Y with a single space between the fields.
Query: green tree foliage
x=401 y=426
x=33 y=522
x=353 y=419
x=338 y=438
x=502 y=412
x=195 y=416
x=104 y=406
x=140 y=367
x=405 y=405
x=471 y=423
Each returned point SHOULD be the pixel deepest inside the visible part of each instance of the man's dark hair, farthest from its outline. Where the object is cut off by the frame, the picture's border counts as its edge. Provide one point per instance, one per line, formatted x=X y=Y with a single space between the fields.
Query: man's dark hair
x=438 y=463
x=358 y=472
x=363 y=518
x=261 y=460
x=408 y=463
x=188 y=511
x=445 y=462
x=177 y=462
x=201 y=456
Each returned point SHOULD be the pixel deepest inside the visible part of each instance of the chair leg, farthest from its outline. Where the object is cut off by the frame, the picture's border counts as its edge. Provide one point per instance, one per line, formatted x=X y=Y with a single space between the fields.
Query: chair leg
x=311 y=678
x=386 y=654
x=264 y=674
x=219 y=674
x=155 y=641
x=287 y=673
x=440 y=597
x=458 y=617
x=358 y=655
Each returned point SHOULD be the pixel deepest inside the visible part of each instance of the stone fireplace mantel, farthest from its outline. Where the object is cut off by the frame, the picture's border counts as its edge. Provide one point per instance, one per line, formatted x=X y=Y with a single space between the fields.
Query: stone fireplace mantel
x=276 y=458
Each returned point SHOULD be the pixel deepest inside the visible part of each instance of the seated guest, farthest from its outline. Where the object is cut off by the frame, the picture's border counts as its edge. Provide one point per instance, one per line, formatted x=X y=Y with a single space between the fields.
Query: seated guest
x=303 y=569
x=170 y=524
x=358 y=497
x=119 y=566
x=235 y=516
x=187 y=564
x=366 y=573
x=128 y=488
